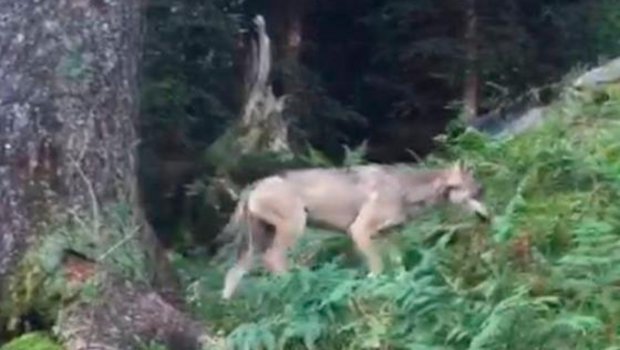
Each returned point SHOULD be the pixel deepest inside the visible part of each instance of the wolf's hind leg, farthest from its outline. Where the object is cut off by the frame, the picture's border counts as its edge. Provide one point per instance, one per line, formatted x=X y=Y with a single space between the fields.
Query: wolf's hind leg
x=287 y=230
x=285 y=212
x=236 y=273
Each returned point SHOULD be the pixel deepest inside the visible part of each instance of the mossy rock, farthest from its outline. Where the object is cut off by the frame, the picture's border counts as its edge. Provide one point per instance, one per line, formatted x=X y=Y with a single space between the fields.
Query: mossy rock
x=32 y=341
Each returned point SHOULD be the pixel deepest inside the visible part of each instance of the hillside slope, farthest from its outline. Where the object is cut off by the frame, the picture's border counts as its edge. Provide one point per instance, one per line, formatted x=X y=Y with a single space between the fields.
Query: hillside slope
x=544 y=275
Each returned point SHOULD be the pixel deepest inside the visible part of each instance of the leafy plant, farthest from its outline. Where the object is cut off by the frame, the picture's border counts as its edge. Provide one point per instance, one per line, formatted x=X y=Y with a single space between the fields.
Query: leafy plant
x=32 y=341
x=543 y=275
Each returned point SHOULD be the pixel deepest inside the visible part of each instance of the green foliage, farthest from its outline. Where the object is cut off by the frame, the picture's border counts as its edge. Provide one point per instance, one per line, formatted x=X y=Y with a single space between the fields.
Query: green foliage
x=189 y=85
x=110 y=238
x=74 y=65
x=606 y=26
x=543 y=275
x=316 y=158
x=355 y=156
x=520 y=44
x=153 y=345
x=32 y=341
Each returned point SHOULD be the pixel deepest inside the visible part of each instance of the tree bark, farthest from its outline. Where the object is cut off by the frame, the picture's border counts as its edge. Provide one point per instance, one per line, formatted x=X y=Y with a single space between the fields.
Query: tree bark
x=470 y=92
x=68 y=102
x=287 y=19
x=68 y=71
x=261 y=126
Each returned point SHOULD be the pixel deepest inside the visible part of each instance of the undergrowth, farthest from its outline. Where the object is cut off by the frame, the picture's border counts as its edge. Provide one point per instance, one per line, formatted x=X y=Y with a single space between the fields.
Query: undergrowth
x=545 y=274
x=42 y=286
x=32 y=341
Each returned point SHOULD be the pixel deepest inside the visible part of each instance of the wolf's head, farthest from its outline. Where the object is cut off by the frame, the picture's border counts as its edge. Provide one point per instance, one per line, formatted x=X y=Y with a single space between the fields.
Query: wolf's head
x=462 y=188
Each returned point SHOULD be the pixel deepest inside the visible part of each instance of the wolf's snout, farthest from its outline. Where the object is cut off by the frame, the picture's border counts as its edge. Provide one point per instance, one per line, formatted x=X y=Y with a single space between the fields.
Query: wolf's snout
x=483 y=217
x=479 y=209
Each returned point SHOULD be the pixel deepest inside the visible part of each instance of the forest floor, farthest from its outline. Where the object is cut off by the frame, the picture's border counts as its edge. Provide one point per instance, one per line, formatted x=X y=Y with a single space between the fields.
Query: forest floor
x=545 y=274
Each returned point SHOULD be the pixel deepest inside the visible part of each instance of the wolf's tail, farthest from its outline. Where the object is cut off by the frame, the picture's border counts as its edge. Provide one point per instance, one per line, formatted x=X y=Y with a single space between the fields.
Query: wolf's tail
x=248 y=232
x=238 y=224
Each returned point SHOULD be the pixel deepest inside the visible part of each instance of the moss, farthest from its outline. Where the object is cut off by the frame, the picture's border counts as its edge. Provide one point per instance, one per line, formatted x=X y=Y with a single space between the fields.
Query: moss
x=32 y=287
x=39 y=284
x=32 y=341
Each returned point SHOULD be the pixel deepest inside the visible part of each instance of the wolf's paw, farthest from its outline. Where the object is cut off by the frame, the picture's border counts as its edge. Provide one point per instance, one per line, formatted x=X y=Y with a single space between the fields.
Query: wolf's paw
x=372 y=275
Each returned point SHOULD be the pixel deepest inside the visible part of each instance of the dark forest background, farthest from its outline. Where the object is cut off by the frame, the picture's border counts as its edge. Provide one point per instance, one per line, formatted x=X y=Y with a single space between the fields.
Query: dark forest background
x=127 y=136
x=392 y=73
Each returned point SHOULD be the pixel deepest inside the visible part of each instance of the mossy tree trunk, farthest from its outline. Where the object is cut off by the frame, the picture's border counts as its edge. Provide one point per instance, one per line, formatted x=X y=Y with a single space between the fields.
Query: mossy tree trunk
x=68 y=102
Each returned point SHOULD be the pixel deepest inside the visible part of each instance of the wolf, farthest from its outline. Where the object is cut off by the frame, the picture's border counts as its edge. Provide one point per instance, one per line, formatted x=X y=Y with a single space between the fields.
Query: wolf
x=361 y=201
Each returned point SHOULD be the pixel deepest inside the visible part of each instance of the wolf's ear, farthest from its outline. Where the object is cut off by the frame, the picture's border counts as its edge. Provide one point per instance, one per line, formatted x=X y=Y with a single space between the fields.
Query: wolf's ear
x=458 y=167
x=455 y=175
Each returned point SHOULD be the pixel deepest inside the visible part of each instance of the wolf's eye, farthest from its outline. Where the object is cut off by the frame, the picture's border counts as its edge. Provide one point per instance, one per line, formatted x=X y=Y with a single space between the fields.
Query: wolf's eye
x=449 y=189
x=479 y=192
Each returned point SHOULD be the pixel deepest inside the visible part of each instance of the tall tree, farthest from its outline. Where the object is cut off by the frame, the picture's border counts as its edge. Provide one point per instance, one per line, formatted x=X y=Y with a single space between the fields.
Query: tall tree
x=287 y=18
x=68 y=101
x=470 y=94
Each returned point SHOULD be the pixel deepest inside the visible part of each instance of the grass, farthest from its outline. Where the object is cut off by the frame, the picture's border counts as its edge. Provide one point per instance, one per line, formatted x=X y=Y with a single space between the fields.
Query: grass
x=32 y=341
x=544 y=275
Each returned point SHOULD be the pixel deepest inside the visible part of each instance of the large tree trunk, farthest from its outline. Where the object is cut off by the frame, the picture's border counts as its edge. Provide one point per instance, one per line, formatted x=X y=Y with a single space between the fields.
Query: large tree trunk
x=471 y=88
x=69 y=74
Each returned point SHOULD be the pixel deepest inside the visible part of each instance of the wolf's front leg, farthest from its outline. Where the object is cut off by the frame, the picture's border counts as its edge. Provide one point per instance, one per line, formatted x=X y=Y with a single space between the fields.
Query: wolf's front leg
x=381 y=210
x=362 y=236
x=362 y=230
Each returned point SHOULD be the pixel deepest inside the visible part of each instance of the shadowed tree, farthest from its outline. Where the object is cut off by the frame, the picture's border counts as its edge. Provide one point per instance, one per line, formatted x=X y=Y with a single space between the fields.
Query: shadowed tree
x=68 y=102
x=470 y=92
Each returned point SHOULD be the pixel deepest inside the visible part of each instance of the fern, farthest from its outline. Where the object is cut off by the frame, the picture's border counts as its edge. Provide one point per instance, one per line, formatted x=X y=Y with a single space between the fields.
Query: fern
x=544 y=275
